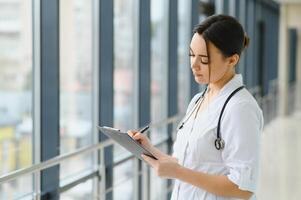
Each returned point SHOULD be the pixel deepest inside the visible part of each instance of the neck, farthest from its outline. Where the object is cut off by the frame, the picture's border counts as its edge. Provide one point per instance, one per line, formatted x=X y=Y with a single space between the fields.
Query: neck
x=218 y=85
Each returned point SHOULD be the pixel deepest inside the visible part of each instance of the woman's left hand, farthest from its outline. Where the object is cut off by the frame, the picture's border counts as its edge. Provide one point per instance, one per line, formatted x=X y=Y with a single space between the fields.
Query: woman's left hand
x=166 y=166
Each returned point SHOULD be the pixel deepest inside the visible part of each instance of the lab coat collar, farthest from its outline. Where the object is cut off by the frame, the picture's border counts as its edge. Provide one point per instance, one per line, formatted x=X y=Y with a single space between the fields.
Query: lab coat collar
x=233 y=84
x=214 y=108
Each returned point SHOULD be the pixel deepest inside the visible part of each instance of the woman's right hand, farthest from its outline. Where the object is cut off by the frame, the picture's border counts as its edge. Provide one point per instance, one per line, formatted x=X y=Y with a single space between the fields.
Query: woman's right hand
x=145 y=141
x=141 y=138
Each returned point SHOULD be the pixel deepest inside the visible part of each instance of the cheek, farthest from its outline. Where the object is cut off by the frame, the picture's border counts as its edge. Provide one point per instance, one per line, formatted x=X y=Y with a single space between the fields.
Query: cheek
x=217 y=71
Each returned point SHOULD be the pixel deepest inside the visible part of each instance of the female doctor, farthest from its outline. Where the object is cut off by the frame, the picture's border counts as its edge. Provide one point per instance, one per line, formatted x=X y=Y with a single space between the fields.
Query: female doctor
x=216 y=152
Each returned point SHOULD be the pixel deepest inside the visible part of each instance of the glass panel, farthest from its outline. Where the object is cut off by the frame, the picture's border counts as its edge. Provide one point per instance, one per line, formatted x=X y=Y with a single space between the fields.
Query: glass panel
x=79 y=192
x=124 y=181
x=20 y=188
x=76 y=80
x=159 y=11
x=183 y=51
x=75 y=173
x=226 y=7
x=125 y=40
x=16 y=91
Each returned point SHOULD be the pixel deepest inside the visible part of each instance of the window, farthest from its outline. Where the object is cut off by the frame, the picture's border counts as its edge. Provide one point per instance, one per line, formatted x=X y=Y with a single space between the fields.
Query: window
x=79 y=192
x=159 y=50
x=159 y=33
x=123 y=181
x=16 y=91
x=125 y=62
x=184 y=34
x=125 y=95
x=76 y=83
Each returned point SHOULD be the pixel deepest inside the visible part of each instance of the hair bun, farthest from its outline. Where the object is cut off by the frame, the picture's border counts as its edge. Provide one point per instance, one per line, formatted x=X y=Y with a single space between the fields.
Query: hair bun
x=246 y=41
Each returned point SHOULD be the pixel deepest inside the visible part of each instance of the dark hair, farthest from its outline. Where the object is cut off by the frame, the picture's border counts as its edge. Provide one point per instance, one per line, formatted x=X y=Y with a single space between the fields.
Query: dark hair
x=225 y=32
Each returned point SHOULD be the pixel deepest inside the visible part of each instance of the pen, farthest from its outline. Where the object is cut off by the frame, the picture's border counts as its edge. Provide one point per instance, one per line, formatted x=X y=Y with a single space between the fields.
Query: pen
x=144 y=129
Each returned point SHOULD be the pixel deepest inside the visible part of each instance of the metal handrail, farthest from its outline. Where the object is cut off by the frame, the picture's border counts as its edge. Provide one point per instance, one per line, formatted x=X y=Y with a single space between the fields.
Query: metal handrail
x=51 y=162
x=58 y=159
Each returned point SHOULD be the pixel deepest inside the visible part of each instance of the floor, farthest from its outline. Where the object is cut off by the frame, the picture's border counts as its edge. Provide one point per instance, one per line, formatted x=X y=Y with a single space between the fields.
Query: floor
x=280 y=177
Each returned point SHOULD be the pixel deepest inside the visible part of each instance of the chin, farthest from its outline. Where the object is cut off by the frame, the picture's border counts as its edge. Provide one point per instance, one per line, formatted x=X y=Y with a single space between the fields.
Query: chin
x=200 y=80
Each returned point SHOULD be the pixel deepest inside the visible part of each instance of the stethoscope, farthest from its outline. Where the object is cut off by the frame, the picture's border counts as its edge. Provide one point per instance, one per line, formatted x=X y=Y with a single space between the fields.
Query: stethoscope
x=219 y=142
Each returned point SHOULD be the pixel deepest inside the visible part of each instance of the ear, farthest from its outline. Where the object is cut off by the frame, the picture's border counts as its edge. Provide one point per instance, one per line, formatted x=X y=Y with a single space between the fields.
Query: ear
x=233 y=60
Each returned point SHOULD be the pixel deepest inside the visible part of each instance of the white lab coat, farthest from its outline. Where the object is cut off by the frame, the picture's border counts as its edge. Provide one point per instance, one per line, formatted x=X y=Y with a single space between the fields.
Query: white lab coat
x=241 y=129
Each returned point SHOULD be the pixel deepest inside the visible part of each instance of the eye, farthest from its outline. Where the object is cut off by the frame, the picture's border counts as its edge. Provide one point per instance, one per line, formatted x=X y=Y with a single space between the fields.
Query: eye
x=204 y=60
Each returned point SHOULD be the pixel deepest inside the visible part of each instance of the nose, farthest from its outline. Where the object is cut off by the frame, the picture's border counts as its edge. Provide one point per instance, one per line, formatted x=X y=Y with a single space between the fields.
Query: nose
x=194 y=63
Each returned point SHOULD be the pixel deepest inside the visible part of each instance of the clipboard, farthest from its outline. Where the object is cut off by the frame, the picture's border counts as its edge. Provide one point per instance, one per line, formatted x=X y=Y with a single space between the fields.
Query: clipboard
x=126 y=141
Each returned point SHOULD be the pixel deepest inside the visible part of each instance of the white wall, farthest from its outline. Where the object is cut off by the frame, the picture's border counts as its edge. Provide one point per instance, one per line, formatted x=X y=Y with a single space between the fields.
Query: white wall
x=290 y=17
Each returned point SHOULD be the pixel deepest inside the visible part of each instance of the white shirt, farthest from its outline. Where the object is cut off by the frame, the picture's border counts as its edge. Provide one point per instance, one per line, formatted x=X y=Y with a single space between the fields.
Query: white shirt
x=241 y=128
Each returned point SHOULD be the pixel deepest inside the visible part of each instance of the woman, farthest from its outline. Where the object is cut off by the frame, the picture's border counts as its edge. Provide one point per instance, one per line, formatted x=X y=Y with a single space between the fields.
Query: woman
x=207 y=163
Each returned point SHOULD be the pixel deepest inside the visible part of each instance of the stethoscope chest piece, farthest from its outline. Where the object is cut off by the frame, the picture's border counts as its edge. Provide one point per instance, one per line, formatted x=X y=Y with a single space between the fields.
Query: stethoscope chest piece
x=219 y=143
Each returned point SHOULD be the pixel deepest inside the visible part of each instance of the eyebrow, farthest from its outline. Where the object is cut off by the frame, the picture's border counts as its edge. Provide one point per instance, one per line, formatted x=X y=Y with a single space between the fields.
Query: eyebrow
x=199 y=54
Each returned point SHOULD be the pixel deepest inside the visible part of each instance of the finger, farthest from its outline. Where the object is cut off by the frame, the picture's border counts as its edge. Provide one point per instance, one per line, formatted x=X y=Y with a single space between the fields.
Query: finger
x=152 y=162
x=137 y=136
x=131 y=133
